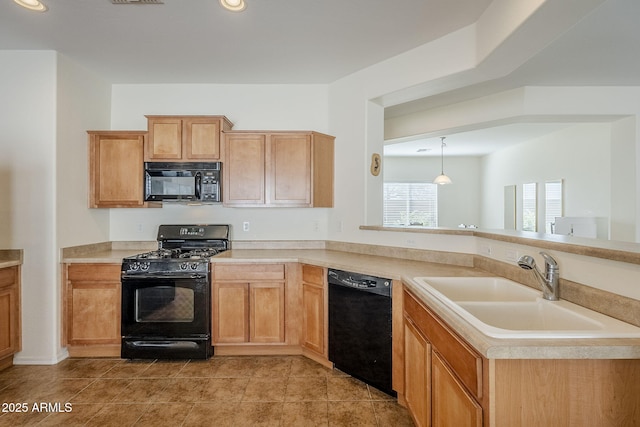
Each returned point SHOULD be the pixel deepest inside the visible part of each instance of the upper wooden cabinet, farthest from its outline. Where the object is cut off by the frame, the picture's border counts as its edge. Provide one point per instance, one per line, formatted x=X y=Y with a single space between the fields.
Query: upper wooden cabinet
x=116 y=169
x=185 y=138
x=288 y=168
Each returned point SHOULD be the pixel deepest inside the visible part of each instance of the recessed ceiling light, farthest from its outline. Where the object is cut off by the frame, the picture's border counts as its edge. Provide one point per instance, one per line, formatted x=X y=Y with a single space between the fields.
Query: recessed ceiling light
x=234 y=5
x=36 y=5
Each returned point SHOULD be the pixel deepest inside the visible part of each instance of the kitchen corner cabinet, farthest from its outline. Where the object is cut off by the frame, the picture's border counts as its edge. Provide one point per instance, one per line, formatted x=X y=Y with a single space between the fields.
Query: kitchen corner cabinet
x=185 y=138
x=314 y=295
x=446 y=382
x=116 y=169
x=286 y=169
x=249 y=304
x=92 y=310
x=10 y=331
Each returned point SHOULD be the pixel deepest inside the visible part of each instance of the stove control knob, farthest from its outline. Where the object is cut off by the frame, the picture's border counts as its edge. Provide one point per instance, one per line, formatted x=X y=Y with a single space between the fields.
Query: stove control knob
x=145 y=266
x=194 y=266
x=134 y=266
x=184 y=266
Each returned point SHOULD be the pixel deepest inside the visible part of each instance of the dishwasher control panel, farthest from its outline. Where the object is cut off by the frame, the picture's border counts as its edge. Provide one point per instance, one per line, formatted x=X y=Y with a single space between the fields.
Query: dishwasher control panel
x=359 y=281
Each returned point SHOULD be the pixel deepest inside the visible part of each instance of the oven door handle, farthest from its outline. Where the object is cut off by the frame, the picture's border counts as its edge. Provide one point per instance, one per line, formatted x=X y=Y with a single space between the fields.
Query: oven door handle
x=163 y=276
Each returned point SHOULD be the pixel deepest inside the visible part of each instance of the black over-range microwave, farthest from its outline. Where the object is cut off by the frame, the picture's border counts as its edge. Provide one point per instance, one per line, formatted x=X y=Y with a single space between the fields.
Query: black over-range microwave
x=182 y=182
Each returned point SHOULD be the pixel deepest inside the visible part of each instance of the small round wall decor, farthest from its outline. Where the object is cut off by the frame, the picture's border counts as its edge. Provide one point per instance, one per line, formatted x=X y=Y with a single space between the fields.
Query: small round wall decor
x=376 y=164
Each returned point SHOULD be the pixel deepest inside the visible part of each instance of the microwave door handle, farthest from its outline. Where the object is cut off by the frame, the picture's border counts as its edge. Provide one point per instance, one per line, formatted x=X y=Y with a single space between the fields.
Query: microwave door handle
x=198 y=185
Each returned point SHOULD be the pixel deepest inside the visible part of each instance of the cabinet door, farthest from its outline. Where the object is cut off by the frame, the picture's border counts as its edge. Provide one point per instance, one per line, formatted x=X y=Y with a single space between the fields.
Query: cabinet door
x=9 y=312
x=244 y=169
x=116 y=169
x=417 y=382
x=165 y=139
x=452 y=404
x=313 y=317
x=266 y=318
x=231 y=313
x=202 y=139
x=289 y=173
x=93 y=304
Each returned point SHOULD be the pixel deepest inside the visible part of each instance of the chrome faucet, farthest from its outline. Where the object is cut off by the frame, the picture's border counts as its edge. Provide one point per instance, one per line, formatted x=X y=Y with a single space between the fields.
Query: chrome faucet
x=549 y=281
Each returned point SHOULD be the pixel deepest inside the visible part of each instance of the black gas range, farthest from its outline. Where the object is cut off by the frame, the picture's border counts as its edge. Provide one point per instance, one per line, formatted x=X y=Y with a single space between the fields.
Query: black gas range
x=166 y=294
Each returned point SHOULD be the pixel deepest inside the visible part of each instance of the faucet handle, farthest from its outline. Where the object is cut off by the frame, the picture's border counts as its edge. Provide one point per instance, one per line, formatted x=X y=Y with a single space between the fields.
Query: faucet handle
x=549 y=260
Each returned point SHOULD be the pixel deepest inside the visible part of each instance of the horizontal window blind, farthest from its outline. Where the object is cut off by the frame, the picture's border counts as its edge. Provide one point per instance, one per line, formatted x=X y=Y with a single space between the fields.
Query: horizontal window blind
x=553 y=203
x=410 y=203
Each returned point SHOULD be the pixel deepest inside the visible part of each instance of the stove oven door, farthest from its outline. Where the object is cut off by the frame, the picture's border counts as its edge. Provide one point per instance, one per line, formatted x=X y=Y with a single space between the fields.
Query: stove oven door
x=166 y=317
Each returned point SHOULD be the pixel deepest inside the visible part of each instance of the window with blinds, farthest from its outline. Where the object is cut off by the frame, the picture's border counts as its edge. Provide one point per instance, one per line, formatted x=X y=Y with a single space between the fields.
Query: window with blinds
x=529 y=207
x=552 y=203
x=410 y=203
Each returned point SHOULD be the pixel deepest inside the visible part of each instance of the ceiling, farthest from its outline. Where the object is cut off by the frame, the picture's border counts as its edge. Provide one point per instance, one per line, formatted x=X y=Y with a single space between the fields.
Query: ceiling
x=316 y=42
x=601 y=50
x=472 y=143
x=197 y=41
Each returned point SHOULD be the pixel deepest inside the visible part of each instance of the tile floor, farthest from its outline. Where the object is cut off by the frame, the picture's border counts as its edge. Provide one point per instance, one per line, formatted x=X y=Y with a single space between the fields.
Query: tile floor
x=223 y=391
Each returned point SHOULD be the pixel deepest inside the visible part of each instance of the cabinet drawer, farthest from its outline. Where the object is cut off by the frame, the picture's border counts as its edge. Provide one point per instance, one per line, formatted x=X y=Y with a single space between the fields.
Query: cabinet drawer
x=249 y=272
x=312 y=274
x=462 y=359
x=94 y=272
x=8 y=276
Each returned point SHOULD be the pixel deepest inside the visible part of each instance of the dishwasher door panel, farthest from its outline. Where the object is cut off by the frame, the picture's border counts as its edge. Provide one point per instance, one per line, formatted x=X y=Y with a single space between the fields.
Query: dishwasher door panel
x=360 y=335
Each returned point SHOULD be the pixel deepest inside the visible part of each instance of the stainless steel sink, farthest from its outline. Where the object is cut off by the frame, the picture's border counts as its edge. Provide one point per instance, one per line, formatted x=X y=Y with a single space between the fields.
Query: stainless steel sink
x=502 y=308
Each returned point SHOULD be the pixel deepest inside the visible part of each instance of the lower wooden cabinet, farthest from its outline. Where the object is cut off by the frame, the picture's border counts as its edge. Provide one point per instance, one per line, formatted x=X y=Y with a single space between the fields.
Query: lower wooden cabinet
x=314 y=296
x=92 y=309
x=451 y=404
x=10 y=331
x=249 y=304
x=442 y=375
x=447 y=383
x=417 y=374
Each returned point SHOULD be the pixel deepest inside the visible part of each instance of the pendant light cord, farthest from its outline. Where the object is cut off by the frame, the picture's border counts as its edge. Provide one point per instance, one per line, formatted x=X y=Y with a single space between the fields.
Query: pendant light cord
x=442 y=144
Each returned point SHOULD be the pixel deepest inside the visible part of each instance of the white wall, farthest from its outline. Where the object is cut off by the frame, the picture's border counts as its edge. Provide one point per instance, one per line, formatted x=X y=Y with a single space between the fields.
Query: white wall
x=458 y=203
x=579 y=155
x=83 y=103
x=28 y=192
x=256 y=107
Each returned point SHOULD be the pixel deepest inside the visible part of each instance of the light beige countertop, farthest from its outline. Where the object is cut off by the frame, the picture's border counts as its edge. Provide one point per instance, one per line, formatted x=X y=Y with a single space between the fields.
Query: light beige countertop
x=406 y=270
x=10 y=257
x=390 y=268
x=106 y=252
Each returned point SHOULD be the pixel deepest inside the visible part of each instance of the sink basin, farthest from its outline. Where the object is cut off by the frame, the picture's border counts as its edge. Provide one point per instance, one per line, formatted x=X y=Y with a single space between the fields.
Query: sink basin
x=501 y=308
x=480 y=289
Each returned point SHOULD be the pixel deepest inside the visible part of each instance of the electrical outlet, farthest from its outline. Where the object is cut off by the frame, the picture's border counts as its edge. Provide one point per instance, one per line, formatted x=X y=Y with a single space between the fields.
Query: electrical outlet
x=245 y=226
x=511 y=255
x=316 y=225
x=140 y=228
x=485 y=250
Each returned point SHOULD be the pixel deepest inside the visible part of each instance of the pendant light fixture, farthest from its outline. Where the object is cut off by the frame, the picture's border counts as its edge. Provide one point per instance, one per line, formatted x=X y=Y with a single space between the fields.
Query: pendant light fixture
x=35 y=5
x=442 y=179
x=234 y=5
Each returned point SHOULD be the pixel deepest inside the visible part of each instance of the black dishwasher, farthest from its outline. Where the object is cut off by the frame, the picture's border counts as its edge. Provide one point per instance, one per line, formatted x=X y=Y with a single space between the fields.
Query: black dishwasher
x=360 y=327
